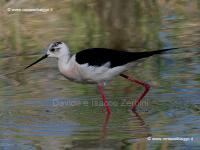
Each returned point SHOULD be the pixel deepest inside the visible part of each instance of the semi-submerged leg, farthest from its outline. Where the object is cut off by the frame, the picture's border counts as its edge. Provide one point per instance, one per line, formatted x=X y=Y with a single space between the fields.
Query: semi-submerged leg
x=145 y=85
x=100 y=87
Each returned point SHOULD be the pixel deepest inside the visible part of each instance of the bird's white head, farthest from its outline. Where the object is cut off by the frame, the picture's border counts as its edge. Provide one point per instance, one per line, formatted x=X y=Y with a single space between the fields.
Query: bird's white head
x=58 y=50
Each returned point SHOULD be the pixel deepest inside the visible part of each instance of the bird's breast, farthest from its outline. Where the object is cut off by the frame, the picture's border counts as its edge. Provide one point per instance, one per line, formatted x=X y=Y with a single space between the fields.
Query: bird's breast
x=70 y=72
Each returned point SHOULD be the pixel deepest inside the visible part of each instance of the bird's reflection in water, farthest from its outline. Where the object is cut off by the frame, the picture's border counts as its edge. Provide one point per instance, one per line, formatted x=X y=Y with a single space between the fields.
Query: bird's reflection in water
x=139 y=118
x=136 y=118
x=134 y=128
x=105 y=125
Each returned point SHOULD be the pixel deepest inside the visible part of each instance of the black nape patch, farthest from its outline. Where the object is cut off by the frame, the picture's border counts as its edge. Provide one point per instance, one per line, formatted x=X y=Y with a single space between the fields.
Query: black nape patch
x=56 y=44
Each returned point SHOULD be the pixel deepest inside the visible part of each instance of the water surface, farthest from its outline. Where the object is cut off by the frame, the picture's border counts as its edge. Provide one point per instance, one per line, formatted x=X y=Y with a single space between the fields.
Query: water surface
x=39 y=109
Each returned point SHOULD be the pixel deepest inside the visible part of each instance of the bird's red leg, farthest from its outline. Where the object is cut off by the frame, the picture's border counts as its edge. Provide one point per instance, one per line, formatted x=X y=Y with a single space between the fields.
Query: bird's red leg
x=145 y=85
x=100 y=87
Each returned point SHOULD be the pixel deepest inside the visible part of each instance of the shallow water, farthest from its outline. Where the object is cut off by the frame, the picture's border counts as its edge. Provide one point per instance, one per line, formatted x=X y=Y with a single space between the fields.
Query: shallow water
x=39 y=109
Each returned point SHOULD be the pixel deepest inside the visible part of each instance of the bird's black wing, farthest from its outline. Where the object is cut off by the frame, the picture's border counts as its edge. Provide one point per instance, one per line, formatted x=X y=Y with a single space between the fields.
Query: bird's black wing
x=100 y=56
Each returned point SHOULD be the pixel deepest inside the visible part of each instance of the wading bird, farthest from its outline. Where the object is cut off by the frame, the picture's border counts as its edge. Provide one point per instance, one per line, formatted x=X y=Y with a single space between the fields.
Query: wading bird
x=97 y=65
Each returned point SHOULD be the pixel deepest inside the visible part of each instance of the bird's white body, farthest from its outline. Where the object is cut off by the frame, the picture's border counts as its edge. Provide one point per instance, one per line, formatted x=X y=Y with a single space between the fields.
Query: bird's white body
x=88 y=74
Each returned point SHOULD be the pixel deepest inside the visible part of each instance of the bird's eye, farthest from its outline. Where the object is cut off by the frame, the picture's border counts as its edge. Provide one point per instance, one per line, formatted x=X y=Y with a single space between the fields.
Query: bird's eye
x=52 y=49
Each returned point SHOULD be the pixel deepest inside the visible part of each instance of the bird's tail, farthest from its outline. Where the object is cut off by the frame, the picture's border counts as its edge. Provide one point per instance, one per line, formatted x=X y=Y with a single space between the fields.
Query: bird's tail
x=162 y=50
x=140 y=55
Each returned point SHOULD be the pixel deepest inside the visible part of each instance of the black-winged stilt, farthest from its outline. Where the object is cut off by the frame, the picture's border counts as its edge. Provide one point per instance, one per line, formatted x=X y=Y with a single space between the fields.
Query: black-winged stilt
x=97 y=65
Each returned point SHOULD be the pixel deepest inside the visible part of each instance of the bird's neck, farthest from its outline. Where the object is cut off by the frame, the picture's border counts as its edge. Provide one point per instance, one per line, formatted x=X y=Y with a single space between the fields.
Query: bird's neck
x=64 y=58
x=63 y=61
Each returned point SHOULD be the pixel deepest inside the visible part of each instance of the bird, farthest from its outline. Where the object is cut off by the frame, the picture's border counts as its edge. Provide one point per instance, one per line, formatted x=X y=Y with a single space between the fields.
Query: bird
x=97 y=66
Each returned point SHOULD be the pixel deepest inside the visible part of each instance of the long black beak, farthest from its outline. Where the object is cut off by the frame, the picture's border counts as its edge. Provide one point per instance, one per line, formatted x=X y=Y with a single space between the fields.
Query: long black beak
x=43 y=57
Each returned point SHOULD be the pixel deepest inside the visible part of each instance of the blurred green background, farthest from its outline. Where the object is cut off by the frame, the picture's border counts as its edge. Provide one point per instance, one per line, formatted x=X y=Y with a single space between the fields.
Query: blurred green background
x=39 y=109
